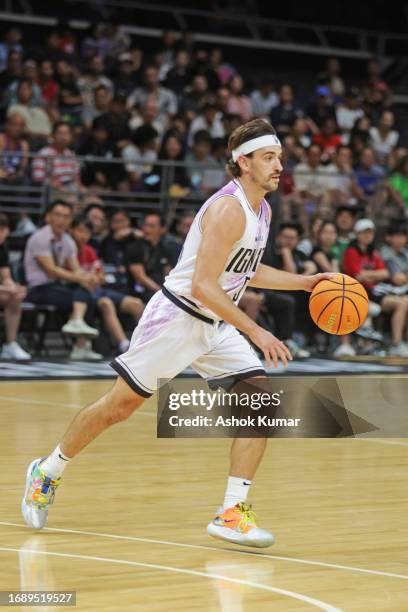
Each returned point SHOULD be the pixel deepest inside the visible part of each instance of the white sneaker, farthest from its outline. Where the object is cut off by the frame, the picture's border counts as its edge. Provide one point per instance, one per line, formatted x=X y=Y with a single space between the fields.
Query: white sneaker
x=399 y=350
x=14 y=351
x=344 y=350
x=85 y=353
x=78 y=327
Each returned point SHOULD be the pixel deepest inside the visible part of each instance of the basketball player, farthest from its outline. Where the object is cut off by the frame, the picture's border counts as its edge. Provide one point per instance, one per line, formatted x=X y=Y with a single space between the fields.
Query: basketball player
x=195 y=319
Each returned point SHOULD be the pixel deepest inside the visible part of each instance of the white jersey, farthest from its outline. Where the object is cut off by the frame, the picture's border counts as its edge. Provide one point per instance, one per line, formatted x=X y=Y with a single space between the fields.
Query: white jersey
x=244 y=258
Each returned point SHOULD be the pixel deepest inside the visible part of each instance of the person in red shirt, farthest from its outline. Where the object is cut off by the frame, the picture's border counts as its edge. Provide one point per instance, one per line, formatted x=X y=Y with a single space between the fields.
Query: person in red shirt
x=328 y=138
x=364 y=263
x=107 y=300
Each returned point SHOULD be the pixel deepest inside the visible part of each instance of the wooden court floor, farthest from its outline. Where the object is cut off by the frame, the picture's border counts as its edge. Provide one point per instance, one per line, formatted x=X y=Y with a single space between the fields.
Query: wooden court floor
x=127 y=531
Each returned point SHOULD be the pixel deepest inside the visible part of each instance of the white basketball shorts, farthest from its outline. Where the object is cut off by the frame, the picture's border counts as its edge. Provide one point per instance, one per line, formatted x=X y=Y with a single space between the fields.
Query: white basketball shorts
x=170 y=336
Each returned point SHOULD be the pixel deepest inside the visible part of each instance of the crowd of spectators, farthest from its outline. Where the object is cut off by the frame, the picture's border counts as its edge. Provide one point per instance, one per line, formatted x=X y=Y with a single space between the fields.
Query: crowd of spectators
x=71 y=106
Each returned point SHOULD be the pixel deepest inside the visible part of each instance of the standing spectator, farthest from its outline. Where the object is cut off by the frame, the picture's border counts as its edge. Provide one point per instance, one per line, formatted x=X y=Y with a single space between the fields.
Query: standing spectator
x=11 y=296
x=239 y=103
x=13 y=150
x=363 y=262
x=108 y=301
x=54 y=276
x=383 y=138
x=147 y=259
x=166 y=100
x=209 y=121
x=349 y=111
x=56 y=164
x=37 y=122
x=284 y=114
x=264 y=99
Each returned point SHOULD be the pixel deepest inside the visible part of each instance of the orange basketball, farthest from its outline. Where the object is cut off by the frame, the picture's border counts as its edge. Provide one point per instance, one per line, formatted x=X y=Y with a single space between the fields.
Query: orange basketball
x=339 y=305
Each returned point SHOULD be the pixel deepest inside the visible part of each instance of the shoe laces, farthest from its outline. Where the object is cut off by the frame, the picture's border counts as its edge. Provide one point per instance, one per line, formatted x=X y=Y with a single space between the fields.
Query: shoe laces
x=248 y=516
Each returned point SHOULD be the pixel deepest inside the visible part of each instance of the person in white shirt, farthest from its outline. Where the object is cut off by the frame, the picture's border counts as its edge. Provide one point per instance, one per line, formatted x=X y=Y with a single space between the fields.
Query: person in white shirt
x=210 y=121
x=349 y=111
x=383 y=138
x=264 y=99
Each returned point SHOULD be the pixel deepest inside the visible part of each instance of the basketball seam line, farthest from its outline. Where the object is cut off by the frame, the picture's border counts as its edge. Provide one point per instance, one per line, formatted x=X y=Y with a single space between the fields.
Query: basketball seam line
x=347 y=290
x=342 y=307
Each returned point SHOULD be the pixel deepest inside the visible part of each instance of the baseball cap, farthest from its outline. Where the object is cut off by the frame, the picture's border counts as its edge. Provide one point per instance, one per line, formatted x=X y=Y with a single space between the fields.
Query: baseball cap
x=322 y=90
x=125 y=57
x=364 y=224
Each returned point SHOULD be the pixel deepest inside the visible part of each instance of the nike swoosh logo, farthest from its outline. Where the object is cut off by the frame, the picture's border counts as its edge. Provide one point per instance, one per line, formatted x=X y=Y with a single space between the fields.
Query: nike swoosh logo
x=248 y=484
x=229 y=520
x=63 y=458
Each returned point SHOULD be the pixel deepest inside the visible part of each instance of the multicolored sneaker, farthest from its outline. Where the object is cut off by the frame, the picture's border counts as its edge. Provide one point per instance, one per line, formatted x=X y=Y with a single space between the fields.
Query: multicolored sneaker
x=38 y=495
x=238 y=525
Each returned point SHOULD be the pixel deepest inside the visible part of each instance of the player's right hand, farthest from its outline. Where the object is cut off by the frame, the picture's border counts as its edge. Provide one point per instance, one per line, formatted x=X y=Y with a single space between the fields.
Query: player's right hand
x=272 y=348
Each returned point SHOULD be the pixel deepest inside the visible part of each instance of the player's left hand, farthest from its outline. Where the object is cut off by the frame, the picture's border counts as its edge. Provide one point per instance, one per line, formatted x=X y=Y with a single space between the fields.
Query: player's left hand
x=311 y=281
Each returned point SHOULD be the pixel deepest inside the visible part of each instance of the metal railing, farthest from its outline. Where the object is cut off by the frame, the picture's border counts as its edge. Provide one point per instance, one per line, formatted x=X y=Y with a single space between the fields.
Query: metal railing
x=25 y=196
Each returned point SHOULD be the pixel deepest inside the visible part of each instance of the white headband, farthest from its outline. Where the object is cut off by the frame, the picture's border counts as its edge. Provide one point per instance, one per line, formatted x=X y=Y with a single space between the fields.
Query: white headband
x=270 y=140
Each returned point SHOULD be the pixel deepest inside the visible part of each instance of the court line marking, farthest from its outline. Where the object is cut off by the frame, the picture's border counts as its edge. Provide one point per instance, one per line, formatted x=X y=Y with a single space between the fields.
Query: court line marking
x=113 y=536
x=24 y=400
x=168 y=568
x=393 y=442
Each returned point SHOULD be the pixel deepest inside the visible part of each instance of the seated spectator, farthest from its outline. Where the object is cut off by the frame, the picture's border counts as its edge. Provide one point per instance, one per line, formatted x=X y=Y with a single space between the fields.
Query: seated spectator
x=55 y=277
x=148 y=259
x=48 y=84
x=341 y=183
x=195 y=96
x=117 y=120
x=349 y=111
x=128 y=73
x=307 y=244
x=148 y=114
x=30 y=75
x=12 y=42
x=322 y=108
x=13 y=151
x=302 y=131
x=394 y=254
x=210 y=120
x=108 y=301
x=287 y=256
x=359 y=136
x=179 y=76
x=264 y=99
x=322 y=253
x=100 y=174
x=11 y=296
x=383 y=138
x=70 y=101
x=310 y=175
x=94 y=78
x=171 y=150
x=57 y=164
x=96 y=216
x=13 y=73
x=399 y=180
x=368 y=173
x=344 y=219
x=223 y=70
x=239 y=103
x=165 y=99
x=363 y=262
x=328 y=138
x=101 y=101
x=140 y=155
x=200 y=164
x=283 y=115
x=222 y=97
x=113 y=248
x=331 y=76
x=174 y=241
x=38 y=124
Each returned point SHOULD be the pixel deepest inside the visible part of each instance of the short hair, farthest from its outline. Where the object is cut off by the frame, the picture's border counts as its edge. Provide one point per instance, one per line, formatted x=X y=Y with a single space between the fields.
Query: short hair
x=81 y=220
x=156 y=214
x=397 y=228
x=57 y=202
x=4 y=220
x=294 y=226
x=59 y=124
x=24 y=82
x=252 y=129
x=93 y=205
x=202 y=136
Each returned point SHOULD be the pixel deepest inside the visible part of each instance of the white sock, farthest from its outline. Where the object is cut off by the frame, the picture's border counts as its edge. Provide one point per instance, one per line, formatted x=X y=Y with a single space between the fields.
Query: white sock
x=236 y=492
x=55 y=464
x=124 y=345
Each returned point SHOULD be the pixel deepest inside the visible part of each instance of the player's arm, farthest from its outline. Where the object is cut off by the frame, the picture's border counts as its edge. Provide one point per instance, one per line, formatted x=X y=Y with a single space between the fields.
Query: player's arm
x=223 y=224
x=267 y=277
